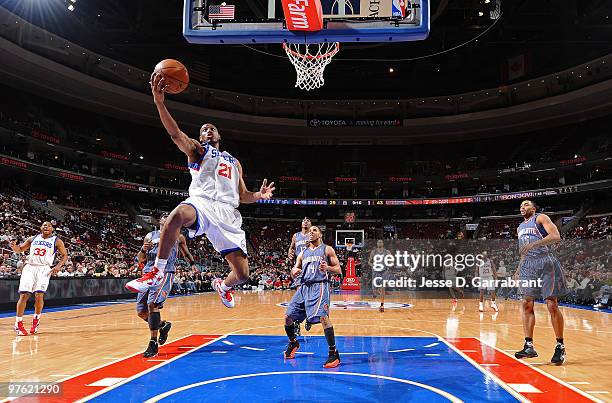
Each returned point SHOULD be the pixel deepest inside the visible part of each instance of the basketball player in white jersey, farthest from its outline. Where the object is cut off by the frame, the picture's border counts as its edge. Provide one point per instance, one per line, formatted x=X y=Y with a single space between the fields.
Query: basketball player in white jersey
x=487 y=275
x=216 y=190
x=35 y=274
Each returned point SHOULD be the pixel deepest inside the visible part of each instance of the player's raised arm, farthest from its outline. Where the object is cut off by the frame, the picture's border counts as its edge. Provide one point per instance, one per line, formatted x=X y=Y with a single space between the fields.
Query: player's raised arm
x=61 y=249
x=187 y=145
x=247 y=197
x=334 y=263
x=291 y=252
x=23 y=247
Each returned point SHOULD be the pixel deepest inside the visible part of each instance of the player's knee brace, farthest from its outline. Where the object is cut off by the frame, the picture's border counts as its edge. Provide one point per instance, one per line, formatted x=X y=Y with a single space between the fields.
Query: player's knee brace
x=154 y=320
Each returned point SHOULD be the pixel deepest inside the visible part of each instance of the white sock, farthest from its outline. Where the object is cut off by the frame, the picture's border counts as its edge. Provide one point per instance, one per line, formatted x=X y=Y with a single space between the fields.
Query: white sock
x=37 y=316
x=161 y=263
x=18 y=319
x=224 y=287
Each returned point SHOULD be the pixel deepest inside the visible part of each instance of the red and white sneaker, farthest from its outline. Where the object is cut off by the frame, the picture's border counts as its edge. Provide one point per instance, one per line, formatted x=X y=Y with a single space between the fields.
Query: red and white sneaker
x=226 y=296
x=20 y=329
x=148 y=280
x=34 y=328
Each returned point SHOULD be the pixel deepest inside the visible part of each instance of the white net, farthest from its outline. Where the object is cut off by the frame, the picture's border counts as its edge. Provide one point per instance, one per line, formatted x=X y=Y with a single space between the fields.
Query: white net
x=310 y=61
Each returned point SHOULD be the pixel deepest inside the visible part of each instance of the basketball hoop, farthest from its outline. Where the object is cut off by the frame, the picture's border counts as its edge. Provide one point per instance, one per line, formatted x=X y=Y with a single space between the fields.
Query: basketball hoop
x=310 y=61
x=349 y=246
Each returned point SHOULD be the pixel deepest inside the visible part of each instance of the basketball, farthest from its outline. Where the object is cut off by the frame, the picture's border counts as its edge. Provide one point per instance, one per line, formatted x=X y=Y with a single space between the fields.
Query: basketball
x=175 y=74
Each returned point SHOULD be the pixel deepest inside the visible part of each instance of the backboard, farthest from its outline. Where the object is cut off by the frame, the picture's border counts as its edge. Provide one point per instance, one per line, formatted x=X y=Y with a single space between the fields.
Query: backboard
x=262 y=21
x=354 y=237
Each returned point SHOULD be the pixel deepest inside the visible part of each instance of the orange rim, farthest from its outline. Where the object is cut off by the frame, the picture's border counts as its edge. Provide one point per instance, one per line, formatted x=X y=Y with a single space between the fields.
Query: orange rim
x=301 y=56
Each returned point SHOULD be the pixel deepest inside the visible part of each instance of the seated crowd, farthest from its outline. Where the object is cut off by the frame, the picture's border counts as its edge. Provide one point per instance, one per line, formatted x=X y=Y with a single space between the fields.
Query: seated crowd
x=103 y=242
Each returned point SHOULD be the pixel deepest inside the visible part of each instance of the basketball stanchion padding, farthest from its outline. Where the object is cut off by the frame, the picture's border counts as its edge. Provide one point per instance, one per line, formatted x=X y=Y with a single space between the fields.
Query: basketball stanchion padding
x=350 y=282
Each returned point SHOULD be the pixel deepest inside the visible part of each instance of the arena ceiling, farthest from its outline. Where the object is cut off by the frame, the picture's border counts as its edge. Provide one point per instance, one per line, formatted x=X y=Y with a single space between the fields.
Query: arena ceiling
x=550 y=35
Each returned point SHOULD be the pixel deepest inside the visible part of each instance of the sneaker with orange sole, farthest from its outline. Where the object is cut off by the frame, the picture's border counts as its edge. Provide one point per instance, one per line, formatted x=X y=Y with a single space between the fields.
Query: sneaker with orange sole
x=292 y=347
x=333 y=360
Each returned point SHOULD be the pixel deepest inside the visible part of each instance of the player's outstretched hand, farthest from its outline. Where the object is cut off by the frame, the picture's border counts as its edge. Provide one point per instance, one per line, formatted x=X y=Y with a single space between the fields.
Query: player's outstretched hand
x=266 y=190
x=158 y=86
x=13 y=245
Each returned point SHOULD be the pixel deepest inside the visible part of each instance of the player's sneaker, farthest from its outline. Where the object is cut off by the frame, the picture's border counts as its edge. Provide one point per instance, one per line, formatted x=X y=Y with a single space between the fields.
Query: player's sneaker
x=527 y=352
x=226 y=296
x=34 y=328
x=494 y=306
x=148 y=280
x=481 y=307
x=381 y=308
x=559 y=356
x=20 y=330
x=292 y=347
x=308 y=326
x=333 y=359
x=163 y=332
x=151 y=350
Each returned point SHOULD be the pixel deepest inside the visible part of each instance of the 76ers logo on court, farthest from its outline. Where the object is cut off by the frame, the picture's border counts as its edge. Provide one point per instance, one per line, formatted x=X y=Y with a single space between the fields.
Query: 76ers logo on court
x=361 y=305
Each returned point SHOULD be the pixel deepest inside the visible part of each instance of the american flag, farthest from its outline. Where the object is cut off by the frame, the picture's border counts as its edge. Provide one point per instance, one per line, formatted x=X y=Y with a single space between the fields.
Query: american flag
x=221 y=12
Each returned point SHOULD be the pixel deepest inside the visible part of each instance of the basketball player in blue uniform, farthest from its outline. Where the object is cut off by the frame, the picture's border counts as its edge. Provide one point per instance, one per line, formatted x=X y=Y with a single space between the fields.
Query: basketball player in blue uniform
x=535 y=233
x=216 y=190
x=36 y=273
x=299 y=242
x=311 y=301
x=149 y=302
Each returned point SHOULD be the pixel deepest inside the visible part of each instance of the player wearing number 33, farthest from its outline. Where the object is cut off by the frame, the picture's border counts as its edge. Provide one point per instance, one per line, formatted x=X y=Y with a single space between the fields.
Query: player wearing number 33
x=36 y=273
x=216 y=190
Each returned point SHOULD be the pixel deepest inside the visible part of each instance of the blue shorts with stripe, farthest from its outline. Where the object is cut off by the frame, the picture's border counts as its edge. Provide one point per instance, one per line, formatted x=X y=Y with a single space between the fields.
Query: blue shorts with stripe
x=155 y=295
x=547 y=269
x=310 y=301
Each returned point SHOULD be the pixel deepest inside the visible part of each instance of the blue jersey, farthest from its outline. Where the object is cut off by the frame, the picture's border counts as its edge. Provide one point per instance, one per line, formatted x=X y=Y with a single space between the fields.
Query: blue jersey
x=152 y=254
x=311 y=261
x=301 y=242
x=530 y=231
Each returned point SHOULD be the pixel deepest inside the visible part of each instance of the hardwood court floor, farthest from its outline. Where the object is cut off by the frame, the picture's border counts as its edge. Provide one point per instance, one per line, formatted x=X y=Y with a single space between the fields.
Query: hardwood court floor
x=73 y=341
